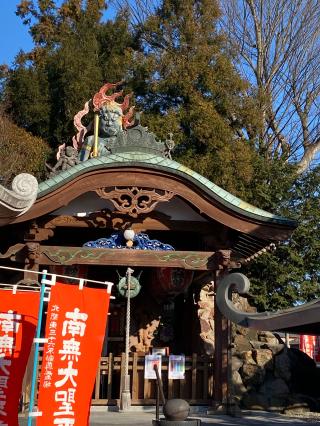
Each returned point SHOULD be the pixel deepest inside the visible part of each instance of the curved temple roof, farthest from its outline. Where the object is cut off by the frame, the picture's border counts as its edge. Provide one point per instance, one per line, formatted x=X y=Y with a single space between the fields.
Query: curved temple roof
x=252 y=230
x=127 y=156
x=151 y=161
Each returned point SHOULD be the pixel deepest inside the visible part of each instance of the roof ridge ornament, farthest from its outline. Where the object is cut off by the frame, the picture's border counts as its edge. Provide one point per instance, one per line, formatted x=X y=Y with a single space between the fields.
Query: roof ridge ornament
x=302 y=319
x=114 y=129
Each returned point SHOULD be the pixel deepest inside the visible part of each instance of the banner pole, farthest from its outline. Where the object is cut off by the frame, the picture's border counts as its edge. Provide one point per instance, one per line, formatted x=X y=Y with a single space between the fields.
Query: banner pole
x=36 y=349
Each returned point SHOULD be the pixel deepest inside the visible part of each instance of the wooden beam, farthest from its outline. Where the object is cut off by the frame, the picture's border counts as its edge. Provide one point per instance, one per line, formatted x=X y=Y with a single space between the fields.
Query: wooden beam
x=140 y=224
x=58 y=255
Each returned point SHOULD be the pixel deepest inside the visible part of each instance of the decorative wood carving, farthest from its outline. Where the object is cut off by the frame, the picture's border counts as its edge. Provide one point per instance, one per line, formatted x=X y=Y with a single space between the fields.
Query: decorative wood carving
x=134 y=201
x=36 y=233
x=223 y=258
x=94 y=220
x=115 y=220
x=143 y=340
x=123 y=257
x=12 y=251
x=60 y=255
x=206 y=316
x=33 y=252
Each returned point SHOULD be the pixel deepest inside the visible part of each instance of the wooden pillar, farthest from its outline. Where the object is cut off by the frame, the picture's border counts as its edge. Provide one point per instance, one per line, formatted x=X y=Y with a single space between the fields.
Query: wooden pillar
x=31 y=264
x=221 y=327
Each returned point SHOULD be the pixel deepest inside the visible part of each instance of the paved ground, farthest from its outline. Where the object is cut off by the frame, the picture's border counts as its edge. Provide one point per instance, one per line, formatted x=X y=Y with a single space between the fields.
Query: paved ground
x=135 y=418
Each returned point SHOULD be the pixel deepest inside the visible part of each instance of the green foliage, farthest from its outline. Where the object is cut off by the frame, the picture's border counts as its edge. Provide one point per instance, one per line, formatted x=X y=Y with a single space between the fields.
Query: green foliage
x=20 y=152
x=271 y=185
x=194 y=91
x=28 y=99
x=75 y=53
x=178 y=65
x=290 y=275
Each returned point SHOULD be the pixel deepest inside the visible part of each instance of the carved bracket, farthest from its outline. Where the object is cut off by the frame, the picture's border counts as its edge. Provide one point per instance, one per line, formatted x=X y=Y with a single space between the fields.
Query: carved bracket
x=36 y=233
x=12 y=251
x=134 y=201
x=33 y=252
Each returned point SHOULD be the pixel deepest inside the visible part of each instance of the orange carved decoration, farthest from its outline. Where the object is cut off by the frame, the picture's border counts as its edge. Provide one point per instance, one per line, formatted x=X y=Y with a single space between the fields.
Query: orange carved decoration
x=101 y=98
x=82 y=130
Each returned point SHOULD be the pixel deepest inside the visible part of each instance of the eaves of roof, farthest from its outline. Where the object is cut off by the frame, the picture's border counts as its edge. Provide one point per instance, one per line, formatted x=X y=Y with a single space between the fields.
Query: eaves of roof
x=151 y=161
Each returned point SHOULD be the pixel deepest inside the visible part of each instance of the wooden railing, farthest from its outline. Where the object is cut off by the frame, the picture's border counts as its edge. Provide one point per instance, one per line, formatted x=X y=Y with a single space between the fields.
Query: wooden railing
x=196 y=388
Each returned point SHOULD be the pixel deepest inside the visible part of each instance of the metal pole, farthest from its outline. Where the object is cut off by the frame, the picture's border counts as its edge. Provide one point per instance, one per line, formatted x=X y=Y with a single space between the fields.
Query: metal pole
x=95 y=135
x=36 y=350
x=157 y=402
x=287 y=338
x=160 y=386
x=125 y=402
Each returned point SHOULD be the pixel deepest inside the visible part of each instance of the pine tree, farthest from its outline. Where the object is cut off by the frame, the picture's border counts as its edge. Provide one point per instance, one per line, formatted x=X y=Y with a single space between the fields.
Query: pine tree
x=75 y=53
x=290 y=275
x=194 y=91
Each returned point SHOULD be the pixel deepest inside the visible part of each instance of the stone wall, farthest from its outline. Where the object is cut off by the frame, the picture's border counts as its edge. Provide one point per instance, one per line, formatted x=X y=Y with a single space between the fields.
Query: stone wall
x=269 y=376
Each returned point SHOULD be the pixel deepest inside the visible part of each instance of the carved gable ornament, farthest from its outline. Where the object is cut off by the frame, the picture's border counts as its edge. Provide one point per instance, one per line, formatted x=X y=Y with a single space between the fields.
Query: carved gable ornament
x=134 y=201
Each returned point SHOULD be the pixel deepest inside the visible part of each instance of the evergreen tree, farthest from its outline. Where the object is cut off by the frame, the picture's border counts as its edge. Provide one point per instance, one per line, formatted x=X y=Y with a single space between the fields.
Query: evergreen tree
x=75 y=52
x=20 y=152
x=290 y=275
x=179 y=67
x=194 y=91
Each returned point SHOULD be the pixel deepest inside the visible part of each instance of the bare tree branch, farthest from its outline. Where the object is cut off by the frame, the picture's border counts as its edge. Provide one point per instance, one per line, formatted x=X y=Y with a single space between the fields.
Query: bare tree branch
x=279 y=46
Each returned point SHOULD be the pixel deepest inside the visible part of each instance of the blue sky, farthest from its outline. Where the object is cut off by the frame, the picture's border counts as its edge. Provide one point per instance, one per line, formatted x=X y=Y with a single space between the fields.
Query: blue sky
x=13 y=34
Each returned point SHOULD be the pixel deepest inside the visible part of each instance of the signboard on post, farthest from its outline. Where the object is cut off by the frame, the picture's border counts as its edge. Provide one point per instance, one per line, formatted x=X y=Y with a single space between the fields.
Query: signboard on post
x=149 y=363
x=177 y=367
x=18 y=321
x=75 y=330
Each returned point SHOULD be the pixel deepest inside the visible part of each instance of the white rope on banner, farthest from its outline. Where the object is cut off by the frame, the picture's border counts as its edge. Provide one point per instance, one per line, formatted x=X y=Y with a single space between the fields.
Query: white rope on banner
x=40 y=340
x=52 y=281
x=81 y=283
x=35 y=414
x=17 y=287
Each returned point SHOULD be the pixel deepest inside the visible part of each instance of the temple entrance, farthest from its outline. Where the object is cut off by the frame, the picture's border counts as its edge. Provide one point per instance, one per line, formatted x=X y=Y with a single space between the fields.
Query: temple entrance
x=163 y=320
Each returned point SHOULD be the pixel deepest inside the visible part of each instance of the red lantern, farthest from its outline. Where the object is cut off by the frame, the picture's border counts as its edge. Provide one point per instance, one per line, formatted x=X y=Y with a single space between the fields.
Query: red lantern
x=169 y=282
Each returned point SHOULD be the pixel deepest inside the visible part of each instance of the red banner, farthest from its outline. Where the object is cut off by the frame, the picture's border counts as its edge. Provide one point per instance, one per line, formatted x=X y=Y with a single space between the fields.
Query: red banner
x=75 y=329
x=18 y=322
x=311 y=346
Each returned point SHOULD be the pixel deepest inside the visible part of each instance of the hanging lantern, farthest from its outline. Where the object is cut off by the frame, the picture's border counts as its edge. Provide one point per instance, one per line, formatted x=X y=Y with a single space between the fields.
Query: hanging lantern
x=169 y=282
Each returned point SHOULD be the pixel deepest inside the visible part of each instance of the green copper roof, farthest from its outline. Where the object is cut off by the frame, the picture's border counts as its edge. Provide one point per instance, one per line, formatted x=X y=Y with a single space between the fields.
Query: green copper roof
x=151 y=161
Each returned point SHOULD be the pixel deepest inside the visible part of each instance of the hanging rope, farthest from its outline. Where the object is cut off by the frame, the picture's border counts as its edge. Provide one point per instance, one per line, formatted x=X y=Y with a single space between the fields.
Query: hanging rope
x=127 y=348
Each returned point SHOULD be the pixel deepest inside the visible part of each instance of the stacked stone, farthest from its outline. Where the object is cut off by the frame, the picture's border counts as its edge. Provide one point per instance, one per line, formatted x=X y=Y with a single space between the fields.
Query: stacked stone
x=269 y=376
